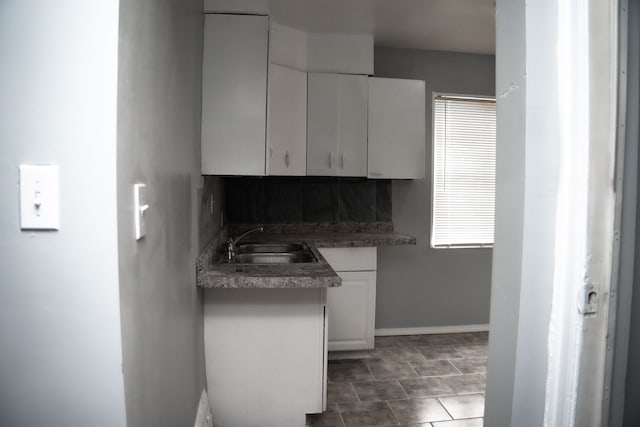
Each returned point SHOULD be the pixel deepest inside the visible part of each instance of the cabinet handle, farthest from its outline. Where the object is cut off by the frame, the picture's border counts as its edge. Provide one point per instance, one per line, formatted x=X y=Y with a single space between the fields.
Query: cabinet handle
x=286 y=159
x=270 y=152
x=344 y=157
x=330 y=160
x=376 y=173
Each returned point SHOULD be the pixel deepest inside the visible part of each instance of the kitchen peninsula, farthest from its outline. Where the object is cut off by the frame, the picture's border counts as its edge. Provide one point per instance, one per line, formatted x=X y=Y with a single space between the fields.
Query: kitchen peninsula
x=267 y=325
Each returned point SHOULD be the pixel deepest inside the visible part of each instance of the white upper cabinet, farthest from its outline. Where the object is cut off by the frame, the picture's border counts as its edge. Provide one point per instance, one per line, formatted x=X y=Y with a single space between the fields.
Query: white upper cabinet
x=287 y=122
x=234 y=94
x=337 y=125
x=396 y=128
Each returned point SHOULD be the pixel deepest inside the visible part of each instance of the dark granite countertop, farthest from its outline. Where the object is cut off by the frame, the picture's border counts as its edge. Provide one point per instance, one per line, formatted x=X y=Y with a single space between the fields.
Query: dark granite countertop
x=212 y=273
x=343 y=239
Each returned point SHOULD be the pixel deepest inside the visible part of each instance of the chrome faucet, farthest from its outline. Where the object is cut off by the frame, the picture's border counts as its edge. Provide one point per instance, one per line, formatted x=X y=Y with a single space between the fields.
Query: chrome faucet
x=231 y=243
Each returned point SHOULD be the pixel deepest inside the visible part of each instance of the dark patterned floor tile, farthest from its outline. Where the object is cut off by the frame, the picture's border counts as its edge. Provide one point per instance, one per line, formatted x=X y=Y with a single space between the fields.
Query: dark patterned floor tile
x=462 y=384
x=399 y=354
x=471 y=422
x=347 y=372
x=379 y=390
x=465 y=406
x=330 y=418
x=472 y=350
x=382 y=370
x=341 y=393
x=477 y=337
x=472 y=365
x=367 y=414
x=419 y=410
x=446 y=339
x=438 y=352
x=426 y=387
x=384 y=343
x=434 y=368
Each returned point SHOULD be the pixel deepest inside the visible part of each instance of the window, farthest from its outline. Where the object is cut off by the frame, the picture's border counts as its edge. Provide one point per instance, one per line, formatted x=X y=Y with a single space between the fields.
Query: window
x=464 y=171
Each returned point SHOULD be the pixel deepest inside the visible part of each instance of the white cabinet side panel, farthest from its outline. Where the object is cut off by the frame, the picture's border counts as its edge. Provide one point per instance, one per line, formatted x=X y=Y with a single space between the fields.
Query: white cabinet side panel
x=265 y=355
x=234 y=94
x=396 y=128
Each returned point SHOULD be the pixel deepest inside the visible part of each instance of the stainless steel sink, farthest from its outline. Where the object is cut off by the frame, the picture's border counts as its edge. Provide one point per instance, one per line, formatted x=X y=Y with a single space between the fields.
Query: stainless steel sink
x=274 y=258
x=250 y=248
x=273 y=253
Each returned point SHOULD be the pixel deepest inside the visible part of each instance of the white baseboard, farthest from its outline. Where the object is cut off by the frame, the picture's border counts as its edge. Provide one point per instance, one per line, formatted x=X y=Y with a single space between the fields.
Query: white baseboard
x=428 y=330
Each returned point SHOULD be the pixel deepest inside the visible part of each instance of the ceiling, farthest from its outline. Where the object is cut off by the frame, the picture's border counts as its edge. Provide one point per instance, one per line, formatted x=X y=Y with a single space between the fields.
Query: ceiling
x=452 y=25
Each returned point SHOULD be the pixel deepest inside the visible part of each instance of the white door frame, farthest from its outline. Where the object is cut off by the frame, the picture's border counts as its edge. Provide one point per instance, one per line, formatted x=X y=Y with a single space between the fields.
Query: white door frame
x=557 y=212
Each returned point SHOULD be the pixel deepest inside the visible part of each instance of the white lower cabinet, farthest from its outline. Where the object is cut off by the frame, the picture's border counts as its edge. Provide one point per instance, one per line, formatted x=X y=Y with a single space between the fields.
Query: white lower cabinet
x=351 y=308
x=265 y=355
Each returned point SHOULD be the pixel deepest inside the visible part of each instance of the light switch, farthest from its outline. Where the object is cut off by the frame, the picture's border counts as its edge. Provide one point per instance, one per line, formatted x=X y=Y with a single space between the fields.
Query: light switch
x=39 y=197
x=140 y=207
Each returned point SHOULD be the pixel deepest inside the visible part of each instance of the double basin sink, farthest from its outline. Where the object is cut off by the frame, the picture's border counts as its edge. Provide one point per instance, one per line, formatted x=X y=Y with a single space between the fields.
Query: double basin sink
x=273 y=253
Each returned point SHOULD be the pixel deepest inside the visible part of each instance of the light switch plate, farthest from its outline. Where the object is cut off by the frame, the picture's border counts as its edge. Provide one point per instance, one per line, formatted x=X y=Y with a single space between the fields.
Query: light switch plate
x=39 y=197
x=140 y=207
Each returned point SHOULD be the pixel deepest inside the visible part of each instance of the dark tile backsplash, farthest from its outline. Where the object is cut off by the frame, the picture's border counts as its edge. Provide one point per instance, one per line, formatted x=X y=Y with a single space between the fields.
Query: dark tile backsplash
x=244 y=200
x=357 y=202
x=320 y=200
x=282 y=200
x=277 y=200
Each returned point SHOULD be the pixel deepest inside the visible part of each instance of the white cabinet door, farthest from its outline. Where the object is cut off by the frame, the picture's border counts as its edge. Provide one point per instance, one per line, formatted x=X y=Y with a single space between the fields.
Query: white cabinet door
x=396 y=128
x=287 y=122
x=352 y=125
x=351 y=311
x=234 y=94
x=322 y=124
x=337 y=125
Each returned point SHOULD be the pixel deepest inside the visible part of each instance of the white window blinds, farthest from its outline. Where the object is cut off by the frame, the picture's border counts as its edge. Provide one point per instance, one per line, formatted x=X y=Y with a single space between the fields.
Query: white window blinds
x=464 y=171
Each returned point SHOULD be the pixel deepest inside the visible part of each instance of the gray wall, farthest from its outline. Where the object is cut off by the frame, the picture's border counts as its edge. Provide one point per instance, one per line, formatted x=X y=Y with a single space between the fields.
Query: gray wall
x=60 y=343
x=159 y=99
x=419 y=286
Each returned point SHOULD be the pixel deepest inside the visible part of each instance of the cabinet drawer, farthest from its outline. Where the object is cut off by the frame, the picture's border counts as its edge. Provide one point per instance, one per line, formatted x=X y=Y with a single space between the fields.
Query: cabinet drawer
x=351 y=259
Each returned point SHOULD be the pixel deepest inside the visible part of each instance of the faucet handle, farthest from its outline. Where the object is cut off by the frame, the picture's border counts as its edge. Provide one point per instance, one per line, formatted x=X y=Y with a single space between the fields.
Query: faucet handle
x=231 y=250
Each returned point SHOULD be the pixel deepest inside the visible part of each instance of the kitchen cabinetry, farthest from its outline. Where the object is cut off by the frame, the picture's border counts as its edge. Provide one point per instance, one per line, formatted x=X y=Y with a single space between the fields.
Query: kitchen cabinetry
x=234 y=94
x=351 y=307
x=265 y=354
x=396 y=128
x=337 y=125
x=254 y=114
x=287 y=121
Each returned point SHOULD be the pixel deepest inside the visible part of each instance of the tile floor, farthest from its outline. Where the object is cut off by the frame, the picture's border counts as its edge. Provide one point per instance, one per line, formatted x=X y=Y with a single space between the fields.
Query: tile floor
x=415 y=380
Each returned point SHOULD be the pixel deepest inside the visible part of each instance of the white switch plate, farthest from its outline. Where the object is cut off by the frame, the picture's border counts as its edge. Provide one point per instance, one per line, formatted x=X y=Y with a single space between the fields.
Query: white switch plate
x=140 y=207
x=39 y=197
